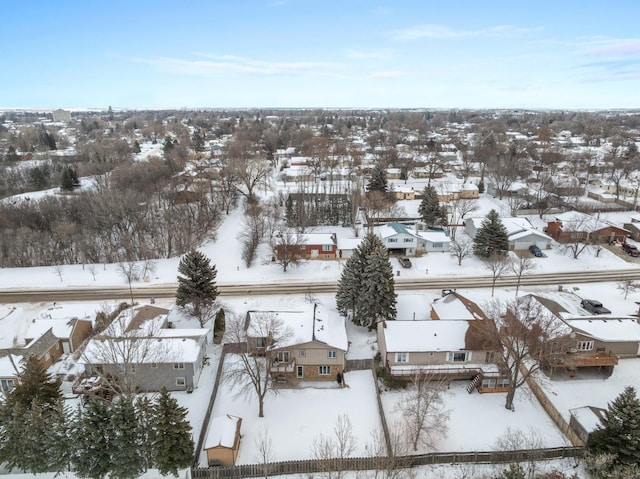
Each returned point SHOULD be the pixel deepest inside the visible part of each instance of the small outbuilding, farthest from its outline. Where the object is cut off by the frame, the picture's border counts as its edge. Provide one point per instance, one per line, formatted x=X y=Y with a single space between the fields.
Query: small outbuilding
x=223 y=440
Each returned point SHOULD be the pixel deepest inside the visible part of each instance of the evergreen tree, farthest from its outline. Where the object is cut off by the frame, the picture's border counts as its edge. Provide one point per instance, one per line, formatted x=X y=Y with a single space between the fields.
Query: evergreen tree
x=377 y=299
x=92 y=439
x=197 y=141
x=127 y=458
x=172 y=442
x=136 y=146
x=69 y=178
x=35 y=384
x=619 y=433
x=431 y=212
x=146 y=420
x=368 y=264
x=197 y=285
x=378 y=180
x=219 y=326
x=491 y=238
x=11 y=155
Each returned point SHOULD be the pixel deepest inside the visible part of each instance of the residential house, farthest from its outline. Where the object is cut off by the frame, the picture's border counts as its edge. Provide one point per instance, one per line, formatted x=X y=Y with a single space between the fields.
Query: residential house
x=346 y=246
x=456 y=349
x=313 y=246
x=71 y=333
x=400 y=239
x=141 y=345
x=575 y=226
x=223 y=440
x=520 y=232
x=433 y=240
x=314 y=348
x=10 y=367
x=453 y=306
x=401 y=192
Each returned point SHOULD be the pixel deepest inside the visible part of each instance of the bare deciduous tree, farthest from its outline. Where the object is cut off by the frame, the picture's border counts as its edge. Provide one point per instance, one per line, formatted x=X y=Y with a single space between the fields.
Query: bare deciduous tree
x=331 y=451
x=522 y=266
x=250 y=370
x=131 y=272
x=461 y=249
x=393 y=464
x=264 y=451
x=424 y=411
x=529 y=333
x=627 y=285
x=497 y=265
x=287 y=248
x=516 y=439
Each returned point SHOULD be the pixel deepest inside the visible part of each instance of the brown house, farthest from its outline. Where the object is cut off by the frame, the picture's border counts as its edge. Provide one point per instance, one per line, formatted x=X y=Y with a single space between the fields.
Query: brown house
x=579 y=227
x=223 y=440
x=313 y=246
x=315 y=349
x=455 y=349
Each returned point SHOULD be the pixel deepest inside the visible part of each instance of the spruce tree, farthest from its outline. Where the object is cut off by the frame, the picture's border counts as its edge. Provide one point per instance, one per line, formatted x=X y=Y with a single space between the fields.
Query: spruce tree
x=431 y=212
x=127 y=458
x=619 y=433
x=378 y=180
x=172 y=442
x=349 y=283
x=35 y=384
x=196 y=286
x=146 y=419
x=92 y=441
x=219 y=326
x=491 y=238
x=377 y=299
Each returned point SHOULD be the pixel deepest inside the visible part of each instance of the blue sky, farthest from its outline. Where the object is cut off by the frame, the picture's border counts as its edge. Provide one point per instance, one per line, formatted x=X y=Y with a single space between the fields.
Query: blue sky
x=297 y=53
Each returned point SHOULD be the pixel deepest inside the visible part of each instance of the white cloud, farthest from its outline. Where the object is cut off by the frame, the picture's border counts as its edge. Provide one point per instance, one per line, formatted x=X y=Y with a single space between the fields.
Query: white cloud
x=436 y=31
x=230 y=64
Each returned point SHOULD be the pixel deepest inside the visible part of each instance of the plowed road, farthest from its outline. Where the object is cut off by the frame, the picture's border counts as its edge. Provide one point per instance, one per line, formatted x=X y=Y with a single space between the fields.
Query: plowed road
x=301 y=287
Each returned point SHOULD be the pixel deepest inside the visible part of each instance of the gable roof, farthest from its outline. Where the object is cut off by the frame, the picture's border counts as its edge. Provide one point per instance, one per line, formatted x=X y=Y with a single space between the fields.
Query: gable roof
x=607 y=329
x=454 y=306
x=425 y=336
x=223 y=431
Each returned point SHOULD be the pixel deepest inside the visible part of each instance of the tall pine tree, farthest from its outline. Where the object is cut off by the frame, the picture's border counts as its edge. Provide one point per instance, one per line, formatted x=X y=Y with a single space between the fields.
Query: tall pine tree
x=127 y=457
x=377 y=298
x=378 y=180
x=92 y=444
x=196 y=286
x=491 y=238
x=368 y=264
x=620 y=430
x=431 y=212
x=172 y=442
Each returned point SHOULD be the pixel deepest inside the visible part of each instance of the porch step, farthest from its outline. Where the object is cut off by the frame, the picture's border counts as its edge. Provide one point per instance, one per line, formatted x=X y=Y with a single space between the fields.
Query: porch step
x=475 y=382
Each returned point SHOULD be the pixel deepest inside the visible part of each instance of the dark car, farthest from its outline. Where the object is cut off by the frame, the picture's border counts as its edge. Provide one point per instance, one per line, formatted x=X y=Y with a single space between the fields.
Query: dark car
x=405 y=262
x=594 y=306
x=631 y=249
x=535 y=251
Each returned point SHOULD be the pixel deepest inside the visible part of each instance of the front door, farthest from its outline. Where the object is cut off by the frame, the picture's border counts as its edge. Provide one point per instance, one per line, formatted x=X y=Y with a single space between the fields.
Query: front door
x=300 y=372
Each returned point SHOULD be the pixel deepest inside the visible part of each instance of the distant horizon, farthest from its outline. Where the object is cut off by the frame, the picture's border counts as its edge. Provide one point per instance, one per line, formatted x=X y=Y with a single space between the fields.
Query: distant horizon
x=148 y=54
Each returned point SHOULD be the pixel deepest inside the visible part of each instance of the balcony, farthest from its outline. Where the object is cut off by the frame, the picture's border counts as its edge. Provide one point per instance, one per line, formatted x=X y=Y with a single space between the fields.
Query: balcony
x=279 y=367
x=573 y=361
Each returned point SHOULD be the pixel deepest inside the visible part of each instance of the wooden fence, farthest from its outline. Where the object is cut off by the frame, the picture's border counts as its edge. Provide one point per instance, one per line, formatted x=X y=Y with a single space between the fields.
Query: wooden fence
x=358 y=364
x=373 y=463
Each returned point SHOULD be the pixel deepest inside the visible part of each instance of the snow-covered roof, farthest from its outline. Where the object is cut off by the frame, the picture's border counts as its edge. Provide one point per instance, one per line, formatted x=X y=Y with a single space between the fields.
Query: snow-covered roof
x=145 y=350
x=222 y=431
x=318 y=238
x=8 y=365
x=434 y=236
x=424 y=336
x=348 y=244
x=328 y=327
x=392 y=229
x=526 y=233
x=609 y=329
x=61 y=328
x=452 y=308
x=587 y=417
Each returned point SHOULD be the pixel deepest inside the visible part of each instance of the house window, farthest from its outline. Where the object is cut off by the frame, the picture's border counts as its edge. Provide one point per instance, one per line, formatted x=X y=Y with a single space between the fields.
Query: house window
x=489 y=383
x=300 y=372
x=324 y=370
x=408 y=240
x=402 y=357
x=154 y=365
x=261 y=342
x=302 y=353
x=392 y=240
x=331 y=354
x=458 y=357
x=584 y=345
x=6 y=385
x=180 y=382
x=282 y=356
x=327 y=247
x=178 y=365
x=438 y=245
x=503 y=383
x=133 y=369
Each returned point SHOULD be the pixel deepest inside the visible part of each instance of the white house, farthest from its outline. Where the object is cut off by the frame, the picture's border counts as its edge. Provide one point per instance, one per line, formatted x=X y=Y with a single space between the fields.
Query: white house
x=403 y=240
x=521 y=233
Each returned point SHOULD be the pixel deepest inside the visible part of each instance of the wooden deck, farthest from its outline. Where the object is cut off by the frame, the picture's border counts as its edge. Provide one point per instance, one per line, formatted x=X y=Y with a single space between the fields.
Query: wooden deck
x=583 y=360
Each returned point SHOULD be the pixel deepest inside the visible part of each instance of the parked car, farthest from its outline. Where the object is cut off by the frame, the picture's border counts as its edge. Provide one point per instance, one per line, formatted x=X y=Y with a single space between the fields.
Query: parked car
x=535 y=251
x=631 y=249
x=405 y=262
x=594 y=307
